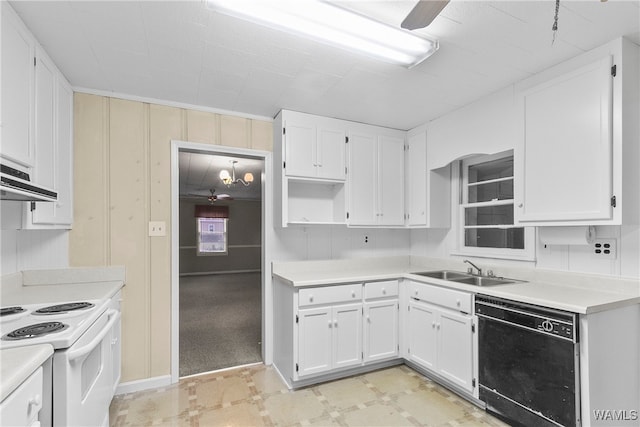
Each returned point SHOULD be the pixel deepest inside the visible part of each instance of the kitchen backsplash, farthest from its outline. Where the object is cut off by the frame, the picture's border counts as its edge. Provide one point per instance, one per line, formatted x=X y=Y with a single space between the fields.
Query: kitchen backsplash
x=29 y=249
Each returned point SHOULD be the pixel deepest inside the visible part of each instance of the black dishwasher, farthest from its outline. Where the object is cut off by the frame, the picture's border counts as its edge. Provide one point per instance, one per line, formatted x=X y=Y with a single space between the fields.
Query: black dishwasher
x=528 y=359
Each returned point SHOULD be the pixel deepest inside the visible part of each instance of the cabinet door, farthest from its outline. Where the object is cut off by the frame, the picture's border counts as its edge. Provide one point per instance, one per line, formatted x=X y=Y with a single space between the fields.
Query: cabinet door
x=347 y=335
x=422 y=334
x=380 y=330
x=300 y=149
x=416 y=183
x=314 y=340
x=362 y=179
x=455 y=344
x=58 y=167
x=44 y=170
x=17 y=83
x=22 y=406
x=331 y=153
x=565 y=158
x=64 y=143
x=390 y=181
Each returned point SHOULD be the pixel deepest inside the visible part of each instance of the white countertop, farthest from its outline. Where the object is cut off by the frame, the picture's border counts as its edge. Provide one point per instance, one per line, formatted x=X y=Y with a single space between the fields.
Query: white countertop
x=578 y=293
x=60 y=285
x=16 y=364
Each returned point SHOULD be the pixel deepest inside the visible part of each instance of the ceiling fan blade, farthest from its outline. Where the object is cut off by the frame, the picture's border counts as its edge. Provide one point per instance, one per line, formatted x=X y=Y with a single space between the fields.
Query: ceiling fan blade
x=224 y=197
x=423 y=13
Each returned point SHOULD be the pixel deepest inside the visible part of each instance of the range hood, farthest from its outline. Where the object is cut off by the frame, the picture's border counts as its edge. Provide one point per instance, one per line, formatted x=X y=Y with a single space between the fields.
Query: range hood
x=15 y=185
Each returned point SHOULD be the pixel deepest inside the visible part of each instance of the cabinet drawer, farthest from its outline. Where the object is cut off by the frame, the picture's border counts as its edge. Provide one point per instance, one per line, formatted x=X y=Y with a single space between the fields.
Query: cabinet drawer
x=449 y=298
x=329 y=294
x=388 y=288
x=22 y=406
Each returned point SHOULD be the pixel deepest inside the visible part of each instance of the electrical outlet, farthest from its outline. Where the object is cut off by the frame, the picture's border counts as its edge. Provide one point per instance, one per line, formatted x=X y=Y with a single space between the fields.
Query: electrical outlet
x=605 y=248
x=157 y=228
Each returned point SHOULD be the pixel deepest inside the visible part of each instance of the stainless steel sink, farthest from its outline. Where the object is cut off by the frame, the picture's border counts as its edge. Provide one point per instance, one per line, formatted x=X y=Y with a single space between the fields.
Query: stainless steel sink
x=484 y=281
x=466 y=278
x=444 y=275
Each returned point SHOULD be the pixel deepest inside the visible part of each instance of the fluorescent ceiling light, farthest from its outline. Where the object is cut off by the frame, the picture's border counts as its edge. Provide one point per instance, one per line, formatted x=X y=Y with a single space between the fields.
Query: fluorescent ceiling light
x=333 y=25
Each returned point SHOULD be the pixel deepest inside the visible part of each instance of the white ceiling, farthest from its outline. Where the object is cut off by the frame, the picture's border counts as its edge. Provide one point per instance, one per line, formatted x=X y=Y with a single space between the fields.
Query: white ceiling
x=184 y=52
x=199 y=173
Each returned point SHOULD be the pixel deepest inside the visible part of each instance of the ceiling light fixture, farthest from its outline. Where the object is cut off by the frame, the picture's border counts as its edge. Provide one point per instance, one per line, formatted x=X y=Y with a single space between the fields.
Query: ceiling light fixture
x=230 y=179
x=333 y=25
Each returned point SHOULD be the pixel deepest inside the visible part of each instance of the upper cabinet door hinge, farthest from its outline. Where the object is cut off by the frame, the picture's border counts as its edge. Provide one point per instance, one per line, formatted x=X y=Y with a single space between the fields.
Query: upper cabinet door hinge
x=346 y=139
x=614 y=70
x=34 y=61
x=613 y=201
x=297 y=319
x=473 y=383
x=284 y=131
x=473 y=328
x=284 y=165
x=33 y=206
x=347 y=215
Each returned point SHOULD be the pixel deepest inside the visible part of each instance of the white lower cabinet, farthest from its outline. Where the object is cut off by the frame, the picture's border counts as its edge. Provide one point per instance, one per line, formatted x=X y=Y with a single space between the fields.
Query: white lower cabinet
x=329 y=338
x=439 y=336
x=324 y=332
x=22 y=406
x=380 y=321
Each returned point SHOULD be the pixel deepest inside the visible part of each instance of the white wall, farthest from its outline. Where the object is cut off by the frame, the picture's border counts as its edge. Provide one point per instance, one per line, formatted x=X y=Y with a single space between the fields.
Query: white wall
x=337 y=242
x=29 y=249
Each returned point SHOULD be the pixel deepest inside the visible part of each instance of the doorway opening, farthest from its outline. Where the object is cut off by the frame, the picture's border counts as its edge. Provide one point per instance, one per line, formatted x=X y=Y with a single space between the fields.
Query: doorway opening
x=218 y=300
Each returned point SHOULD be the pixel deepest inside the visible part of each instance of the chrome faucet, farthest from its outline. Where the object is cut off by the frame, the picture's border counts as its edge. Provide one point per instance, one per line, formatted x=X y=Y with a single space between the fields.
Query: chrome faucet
x=476 y=267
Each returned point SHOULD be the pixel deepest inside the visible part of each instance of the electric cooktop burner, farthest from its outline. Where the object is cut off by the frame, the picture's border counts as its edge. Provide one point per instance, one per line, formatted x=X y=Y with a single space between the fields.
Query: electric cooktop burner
x=63 y=308
x=7 y=311
x=33 y=331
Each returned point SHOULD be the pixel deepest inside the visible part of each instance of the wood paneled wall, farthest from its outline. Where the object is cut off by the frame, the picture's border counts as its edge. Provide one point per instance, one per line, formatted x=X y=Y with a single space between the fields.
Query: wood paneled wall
x=122 y=181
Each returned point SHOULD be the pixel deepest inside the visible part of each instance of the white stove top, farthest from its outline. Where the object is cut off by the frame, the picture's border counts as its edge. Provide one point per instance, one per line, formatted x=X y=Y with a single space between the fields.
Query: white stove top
x=75 y=324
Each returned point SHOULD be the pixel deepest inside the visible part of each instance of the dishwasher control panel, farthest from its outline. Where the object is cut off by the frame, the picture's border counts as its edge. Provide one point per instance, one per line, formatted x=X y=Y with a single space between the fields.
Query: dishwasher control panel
x=541 y=319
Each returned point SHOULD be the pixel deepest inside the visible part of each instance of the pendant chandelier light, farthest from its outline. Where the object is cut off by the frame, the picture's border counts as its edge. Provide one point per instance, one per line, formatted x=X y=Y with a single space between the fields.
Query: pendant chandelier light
x=230 y=179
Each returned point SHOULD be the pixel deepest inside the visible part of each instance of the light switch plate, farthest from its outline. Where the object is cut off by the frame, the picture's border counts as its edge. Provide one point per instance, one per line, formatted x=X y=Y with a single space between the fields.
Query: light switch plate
x=157 y=228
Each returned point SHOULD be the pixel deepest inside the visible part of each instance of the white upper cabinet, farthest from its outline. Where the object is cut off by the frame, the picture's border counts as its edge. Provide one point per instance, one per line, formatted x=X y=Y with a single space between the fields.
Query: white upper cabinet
x=566 y=146
x=575 y=128
x=363 y=157
x=376 y=178
x=309 y=152
x=314 y=147
x=45 y=98
x=416 y=179
x=427 y=192
x=331 y=153
x=18 y=46
x=300 y=149
x=37 y=122
x=315 y=188
x=54 y=147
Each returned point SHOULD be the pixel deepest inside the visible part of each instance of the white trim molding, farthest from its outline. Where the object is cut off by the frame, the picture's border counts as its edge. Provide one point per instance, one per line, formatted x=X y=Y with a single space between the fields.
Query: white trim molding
x=167 y=103
x=145 y=384
x=267 y=221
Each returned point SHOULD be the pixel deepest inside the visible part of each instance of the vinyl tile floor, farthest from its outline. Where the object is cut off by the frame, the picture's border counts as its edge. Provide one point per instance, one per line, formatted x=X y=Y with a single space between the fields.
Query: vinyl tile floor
x=256 y=396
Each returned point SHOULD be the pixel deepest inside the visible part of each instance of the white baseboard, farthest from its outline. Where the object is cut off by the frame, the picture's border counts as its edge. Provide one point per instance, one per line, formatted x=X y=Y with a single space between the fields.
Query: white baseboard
x=145 y=384
x=207 y=273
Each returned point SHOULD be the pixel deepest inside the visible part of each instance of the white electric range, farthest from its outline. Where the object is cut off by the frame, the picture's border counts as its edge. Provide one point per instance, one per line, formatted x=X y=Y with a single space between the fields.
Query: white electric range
x=81 y=379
